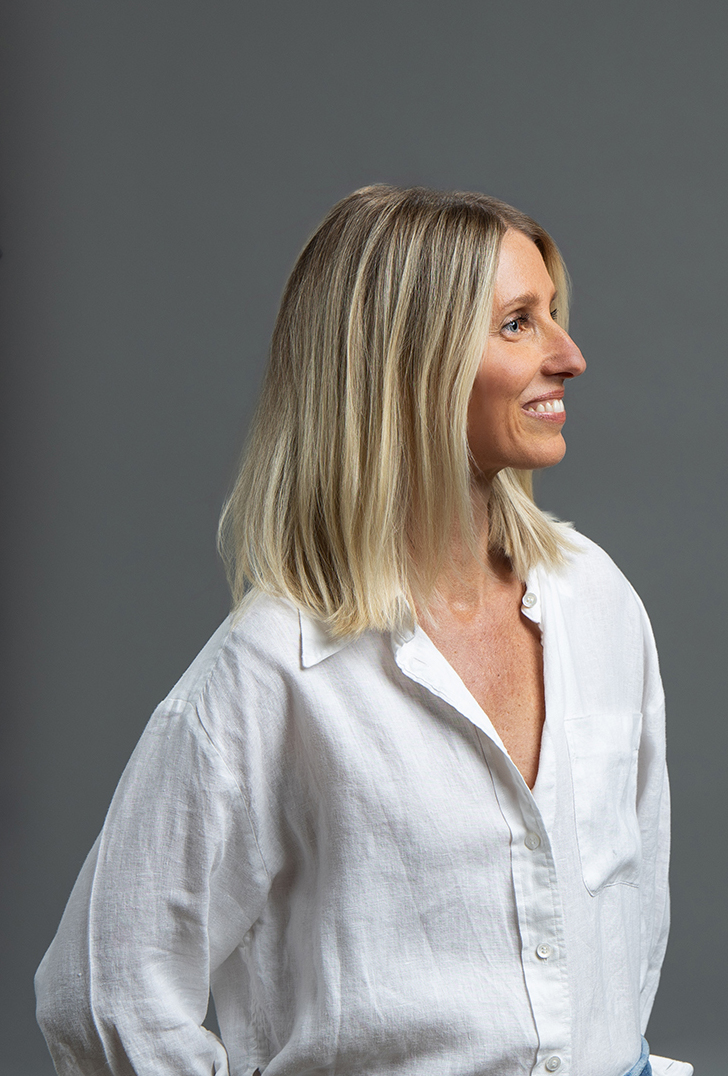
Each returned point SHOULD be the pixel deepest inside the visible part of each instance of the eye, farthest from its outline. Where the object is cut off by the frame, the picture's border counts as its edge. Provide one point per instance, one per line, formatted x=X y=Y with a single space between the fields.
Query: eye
x=555 y=314
x=514 y=325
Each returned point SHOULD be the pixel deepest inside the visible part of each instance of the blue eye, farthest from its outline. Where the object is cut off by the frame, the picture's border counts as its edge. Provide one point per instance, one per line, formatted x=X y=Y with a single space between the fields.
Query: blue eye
x=514 y=325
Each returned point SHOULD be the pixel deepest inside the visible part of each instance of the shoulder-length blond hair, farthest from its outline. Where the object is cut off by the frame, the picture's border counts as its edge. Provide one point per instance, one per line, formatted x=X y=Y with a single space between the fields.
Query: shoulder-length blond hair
x=357 y=464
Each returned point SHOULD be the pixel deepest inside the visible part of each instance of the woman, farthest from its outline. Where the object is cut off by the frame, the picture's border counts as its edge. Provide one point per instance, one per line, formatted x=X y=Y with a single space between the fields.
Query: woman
x=407 y=812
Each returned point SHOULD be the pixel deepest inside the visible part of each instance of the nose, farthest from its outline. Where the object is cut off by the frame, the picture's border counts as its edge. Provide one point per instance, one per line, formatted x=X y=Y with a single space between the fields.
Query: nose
x=564 y=357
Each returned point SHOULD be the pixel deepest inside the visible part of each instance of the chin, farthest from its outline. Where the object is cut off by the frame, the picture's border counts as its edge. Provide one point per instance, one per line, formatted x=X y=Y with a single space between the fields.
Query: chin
x=539 y=461
x=529 y=458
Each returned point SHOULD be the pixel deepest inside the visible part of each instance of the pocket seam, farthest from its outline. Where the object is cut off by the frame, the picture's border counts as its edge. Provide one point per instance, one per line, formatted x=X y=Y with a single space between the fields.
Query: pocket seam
x=586 y=808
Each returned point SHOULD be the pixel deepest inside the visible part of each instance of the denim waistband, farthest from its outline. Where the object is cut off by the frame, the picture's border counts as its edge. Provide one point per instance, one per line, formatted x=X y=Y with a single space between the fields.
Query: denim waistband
x=643 y=1066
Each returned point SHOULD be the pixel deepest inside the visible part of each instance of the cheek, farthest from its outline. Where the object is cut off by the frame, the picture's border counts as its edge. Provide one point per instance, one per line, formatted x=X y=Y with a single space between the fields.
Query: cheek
x=494 y=395
x=480 y=414
x=491 y=422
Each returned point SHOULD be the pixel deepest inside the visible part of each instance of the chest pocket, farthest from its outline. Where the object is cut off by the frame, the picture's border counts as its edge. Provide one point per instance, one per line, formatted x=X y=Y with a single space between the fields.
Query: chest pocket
x=603 y=751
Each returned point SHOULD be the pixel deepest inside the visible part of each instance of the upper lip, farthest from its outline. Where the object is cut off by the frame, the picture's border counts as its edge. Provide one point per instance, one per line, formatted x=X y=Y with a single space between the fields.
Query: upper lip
x=556 y=394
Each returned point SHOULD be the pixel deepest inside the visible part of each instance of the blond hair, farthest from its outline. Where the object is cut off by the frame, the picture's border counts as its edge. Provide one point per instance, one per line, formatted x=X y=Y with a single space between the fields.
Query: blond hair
x=357 y=463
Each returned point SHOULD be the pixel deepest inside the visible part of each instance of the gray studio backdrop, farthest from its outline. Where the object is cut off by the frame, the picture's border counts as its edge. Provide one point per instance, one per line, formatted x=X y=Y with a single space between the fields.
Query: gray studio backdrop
x=163 y=162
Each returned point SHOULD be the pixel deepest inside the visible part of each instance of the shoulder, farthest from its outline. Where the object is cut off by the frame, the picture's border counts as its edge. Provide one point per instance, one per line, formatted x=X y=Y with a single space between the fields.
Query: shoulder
x=594 y=596
x=262 y=641
x=597 y=616
x=589 y=573
x=247 y=667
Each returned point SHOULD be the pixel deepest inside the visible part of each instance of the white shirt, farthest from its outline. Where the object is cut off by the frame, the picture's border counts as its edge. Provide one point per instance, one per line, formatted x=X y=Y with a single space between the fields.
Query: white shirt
x=333 y=835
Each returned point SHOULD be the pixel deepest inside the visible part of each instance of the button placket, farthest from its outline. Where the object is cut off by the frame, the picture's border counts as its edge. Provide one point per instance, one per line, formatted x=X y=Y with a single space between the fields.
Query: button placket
x=544 y=971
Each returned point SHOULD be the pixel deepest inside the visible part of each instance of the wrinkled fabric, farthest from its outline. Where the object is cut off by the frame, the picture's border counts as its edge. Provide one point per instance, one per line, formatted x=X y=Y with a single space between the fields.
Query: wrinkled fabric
x=332 y=834
x=642 y=1066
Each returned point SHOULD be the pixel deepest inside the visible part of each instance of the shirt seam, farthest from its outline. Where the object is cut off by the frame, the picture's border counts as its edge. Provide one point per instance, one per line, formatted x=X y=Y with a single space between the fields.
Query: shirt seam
x=192 y=708
x=241 y=792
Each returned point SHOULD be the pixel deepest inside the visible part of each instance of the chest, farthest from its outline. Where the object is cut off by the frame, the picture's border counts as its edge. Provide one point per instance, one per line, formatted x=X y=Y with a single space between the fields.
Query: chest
x=499 y=658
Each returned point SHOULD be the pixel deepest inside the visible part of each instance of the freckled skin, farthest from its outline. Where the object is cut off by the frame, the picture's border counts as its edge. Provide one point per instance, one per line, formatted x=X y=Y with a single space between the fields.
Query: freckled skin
x=497 y=653
x=480 y=627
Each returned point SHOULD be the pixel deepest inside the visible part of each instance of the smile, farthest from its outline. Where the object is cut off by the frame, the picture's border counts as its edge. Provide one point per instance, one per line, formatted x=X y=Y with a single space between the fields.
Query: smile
x=546 y=411
x=546 y=407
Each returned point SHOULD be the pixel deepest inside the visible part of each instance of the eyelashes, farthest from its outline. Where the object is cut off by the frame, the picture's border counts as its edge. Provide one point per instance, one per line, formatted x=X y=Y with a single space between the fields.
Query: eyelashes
x=514 y=325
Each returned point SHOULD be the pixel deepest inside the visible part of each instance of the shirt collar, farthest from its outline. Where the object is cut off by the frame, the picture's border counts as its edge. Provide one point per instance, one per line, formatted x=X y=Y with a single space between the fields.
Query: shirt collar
x=317 y=643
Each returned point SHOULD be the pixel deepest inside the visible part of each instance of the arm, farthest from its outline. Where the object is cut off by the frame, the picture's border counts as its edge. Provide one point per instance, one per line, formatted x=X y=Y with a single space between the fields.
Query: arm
x=653 y=810
x=168 y=891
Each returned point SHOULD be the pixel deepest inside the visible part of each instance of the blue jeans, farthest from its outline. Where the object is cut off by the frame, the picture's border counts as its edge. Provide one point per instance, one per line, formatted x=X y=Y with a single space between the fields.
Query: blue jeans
x=643 y=1066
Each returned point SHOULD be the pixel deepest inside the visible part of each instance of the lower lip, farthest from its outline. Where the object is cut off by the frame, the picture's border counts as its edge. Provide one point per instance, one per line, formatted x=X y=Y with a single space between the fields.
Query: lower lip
x=557 y=417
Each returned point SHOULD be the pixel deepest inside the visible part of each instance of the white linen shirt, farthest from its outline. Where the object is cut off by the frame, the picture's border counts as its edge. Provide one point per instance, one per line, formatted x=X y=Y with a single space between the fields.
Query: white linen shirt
x=334 y=837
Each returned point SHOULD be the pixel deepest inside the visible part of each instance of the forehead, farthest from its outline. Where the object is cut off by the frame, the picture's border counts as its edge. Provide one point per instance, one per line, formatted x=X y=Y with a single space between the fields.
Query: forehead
x=521 y=270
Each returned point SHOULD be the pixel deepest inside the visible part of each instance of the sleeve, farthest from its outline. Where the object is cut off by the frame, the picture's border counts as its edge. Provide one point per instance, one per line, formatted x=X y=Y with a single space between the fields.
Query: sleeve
x=168 y=891
x=653 y=810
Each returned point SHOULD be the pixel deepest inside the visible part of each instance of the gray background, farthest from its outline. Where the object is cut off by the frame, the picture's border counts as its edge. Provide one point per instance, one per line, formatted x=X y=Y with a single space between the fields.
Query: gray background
x=163 y=162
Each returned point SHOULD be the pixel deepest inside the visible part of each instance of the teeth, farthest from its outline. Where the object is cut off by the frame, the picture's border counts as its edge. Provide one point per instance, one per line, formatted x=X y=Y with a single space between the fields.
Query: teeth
x=548 y=406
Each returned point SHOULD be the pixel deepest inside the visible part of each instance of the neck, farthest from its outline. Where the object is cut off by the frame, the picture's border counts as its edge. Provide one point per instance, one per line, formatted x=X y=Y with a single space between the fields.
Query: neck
x=469 y=577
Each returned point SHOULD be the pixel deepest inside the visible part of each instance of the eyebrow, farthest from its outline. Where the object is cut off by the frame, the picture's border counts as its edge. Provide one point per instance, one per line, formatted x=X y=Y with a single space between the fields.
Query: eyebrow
x=529 y=298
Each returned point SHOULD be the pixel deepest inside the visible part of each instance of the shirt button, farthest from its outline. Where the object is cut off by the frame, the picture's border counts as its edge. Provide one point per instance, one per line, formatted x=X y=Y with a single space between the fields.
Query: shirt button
x=529 y=599
x=543 y=951
x=532 y=841
x=553 y=1063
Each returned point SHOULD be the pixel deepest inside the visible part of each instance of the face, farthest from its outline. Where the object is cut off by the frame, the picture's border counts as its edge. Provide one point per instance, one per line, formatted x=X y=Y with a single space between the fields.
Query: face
x=516 y=410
